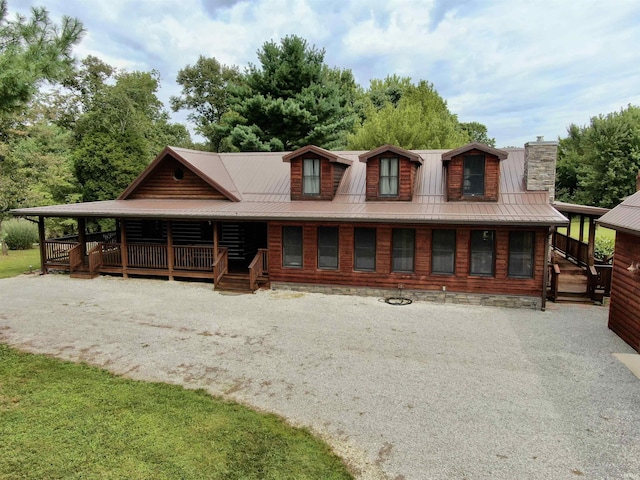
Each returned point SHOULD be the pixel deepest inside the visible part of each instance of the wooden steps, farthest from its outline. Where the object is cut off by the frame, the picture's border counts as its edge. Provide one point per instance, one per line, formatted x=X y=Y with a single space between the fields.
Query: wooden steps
x=234 y=282
x=83 y=272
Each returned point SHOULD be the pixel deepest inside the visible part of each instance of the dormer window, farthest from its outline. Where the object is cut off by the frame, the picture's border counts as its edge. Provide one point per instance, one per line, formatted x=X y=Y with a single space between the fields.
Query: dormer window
x=389 y=177
x=311 y=176
x=473 y=176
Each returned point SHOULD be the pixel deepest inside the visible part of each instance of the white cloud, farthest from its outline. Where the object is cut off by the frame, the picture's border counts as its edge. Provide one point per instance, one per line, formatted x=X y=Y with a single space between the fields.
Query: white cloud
x=523 y=68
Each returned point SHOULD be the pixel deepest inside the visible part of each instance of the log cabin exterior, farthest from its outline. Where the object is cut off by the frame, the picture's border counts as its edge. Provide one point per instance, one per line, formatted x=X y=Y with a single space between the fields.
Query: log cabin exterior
x=467 y=224
x=624 y=309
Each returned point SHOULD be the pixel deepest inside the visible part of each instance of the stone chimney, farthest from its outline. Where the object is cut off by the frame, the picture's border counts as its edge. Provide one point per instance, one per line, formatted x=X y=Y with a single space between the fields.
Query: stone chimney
x=540 y=166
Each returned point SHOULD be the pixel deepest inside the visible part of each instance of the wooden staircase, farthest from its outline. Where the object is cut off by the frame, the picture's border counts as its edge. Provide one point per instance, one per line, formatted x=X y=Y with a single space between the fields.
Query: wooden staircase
x=572 y=283
x=83 y=272
x=237 y=283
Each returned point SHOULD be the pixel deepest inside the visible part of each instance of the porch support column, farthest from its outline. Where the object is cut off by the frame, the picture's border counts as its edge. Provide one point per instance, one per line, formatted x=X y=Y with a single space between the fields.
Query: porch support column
x=170 y=259
x=43 y=247
x=591 y=248
x=569 y=226
x=124 y=254
x=82 y=236
x=581 y=228
x=545 y=268
x=215 y=239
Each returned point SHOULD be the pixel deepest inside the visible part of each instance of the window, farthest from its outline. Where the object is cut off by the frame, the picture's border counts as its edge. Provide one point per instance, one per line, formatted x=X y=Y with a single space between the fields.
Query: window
x=404 y=240
x=473 y=181
x=311 y=176
x=443 y=251
x=365 y=249
x=521 y=254
x=482 y=252
x=292 y=247
x=328 y=247
x=389 y=177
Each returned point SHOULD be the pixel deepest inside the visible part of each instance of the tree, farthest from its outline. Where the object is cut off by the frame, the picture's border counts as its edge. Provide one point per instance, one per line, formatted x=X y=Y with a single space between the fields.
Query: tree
x=420 y=120
x=33 y=51
x=478 y=133
x=290 y=100
x=598 y=163
x=205 y=92
x=122 y=128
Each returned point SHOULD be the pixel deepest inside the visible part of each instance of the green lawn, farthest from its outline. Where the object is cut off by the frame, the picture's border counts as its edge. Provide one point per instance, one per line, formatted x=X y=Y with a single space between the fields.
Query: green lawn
x=64 y=420
x=575 y=230
x=18 y=261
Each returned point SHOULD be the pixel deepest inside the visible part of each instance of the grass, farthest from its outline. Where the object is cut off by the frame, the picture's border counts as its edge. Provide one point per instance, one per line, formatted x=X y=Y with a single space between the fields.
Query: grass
x=601 y=232
x=64 y=420
x=18 y=261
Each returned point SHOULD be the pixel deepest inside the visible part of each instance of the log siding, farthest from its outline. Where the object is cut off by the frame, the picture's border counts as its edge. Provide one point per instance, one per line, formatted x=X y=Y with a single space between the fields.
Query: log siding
x=455 y=178
x=421 y=278
x=624 y=310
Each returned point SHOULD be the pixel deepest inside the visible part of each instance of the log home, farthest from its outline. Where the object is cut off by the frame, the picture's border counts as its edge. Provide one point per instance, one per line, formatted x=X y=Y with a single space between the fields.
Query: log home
x=624 y=309
x=466 y=225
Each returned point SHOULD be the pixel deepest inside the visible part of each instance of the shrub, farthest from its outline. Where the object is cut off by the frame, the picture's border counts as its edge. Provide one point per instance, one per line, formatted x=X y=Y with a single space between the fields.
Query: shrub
x=603 y=248
x=19 y=234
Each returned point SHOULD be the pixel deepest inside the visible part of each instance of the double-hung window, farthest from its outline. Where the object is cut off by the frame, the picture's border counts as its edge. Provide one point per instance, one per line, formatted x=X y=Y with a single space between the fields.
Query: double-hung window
x=328 y=248
x=521 y=254
x=292 y=247
x=443 y=252
x=364 y=249
x=473 y=175
x=404 y=240
x=311 y=176
x=483 y=252
x=389 y=177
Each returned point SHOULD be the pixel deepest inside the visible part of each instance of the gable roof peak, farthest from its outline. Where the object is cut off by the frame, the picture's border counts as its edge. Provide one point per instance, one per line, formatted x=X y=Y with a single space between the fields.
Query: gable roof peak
x=501 y=154
x=414 y=157
x=332 y=157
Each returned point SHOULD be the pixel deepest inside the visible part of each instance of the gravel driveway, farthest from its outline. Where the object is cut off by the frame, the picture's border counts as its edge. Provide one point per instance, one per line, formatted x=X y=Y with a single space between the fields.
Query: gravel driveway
x=402 y=392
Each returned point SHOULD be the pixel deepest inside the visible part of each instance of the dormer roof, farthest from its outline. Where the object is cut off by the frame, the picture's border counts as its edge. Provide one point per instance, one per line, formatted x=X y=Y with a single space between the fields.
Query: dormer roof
x=321 y=152
x=391 y=148
x=501 y=154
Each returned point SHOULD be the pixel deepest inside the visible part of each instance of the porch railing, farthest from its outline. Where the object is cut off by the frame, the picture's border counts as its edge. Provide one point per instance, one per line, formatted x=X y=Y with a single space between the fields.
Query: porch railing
x=258 y=267
x=572 y=248
x=57 y=251
x=193 y=257
x=599 y=281
x=220 y=265
x=75 y=258
x=554 y=272
x=111 y=255
x=95 y=259
x=147 y=256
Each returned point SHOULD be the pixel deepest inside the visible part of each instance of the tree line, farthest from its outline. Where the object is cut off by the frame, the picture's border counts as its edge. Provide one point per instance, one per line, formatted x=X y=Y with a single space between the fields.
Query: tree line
x=82 y=131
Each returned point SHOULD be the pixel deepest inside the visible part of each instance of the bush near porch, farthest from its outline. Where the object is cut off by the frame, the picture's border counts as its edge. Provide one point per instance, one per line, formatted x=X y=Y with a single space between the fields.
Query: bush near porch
x=64 y=420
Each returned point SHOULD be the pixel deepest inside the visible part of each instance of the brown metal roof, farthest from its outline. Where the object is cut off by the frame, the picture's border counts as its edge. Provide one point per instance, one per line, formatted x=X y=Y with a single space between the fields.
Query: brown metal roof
x=390 y=148
x=581 y=209
x=501 y=154
x=625 y=217
x=318 y=151
x=262 y=183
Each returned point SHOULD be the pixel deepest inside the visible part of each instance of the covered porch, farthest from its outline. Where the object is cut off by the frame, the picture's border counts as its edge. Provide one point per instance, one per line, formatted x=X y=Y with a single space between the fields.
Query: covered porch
x=231 y=255
x=575 y=273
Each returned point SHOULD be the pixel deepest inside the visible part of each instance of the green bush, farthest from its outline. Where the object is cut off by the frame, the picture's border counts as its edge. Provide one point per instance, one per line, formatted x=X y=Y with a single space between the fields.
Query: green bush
x=603 y=248
x=19 y=234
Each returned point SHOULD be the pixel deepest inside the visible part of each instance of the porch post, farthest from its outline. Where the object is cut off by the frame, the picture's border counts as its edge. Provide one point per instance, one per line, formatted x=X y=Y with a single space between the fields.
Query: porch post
x=124 y=255
x=170 y=259
x=592 y=242
x=569 y=226
x=215 y=239
x=82 y=235
x=43 y=247
x=581 y=228
x=545 y=268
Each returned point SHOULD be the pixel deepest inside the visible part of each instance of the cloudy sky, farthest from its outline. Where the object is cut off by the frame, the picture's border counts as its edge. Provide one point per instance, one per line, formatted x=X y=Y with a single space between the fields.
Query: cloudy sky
x=523 y=68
